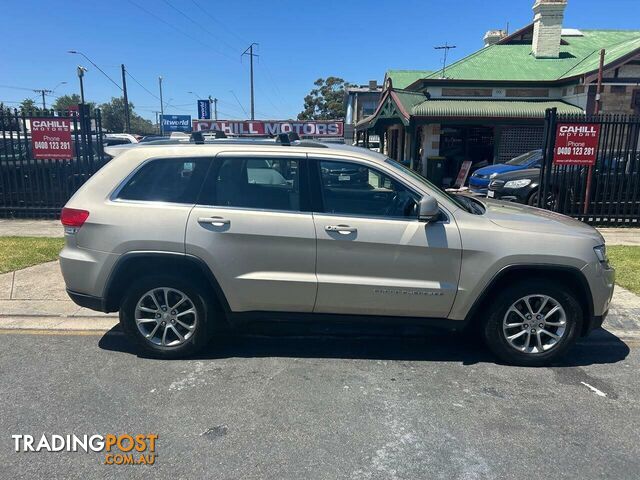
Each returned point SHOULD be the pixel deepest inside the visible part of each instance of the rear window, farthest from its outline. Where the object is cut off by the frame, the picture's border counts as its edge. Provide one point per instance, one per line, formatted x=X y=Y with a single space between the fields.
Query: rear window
x=167 y=180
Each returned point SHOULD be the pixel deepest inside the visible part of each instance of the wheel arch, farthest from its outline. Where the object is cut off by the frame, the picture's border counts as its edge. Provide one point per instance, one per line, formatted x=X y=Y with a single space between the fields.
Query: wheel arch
x=559 y=273
x=130 y=264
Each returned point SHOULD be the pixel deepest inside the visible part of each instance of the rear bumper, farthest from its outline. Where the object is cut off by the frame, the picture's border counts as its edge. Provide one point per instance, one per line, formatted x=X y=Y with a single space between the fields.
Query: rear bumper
x=87 y=301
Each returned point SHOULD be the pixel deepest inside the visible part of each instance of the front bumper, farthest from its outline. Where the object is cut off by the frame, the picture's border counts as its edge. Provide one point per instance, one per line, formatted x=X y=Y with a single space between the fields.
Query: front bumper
x=508 y=195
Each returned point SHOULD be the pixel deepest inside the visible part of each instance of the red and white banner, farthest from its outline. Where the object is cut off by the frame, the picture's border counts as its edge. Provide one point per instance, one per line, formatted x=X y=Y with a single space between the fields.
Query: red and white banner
x=51 y=138
x=576 y=143
x=328 y=128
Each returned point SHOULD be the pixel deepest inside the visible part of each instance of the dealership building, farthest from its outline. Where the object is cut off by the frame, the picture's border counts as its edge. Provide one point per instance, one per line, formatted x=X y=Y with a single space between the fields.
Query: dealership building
x=490 y=105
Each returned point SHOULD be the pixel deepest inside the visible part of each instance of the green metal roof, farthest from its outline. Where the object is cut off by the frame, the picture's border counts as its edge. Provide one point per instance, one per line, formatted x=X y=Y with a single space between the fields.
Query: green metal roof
x=490 y=108
x=506 y=62
x=403 y=78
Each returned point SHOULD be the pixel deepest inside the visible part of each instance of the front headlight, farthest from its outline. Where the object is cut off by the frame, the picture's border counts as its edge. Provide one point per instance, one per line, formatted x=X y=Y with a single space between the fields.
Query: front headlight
x=601 y=253
x=517 y=183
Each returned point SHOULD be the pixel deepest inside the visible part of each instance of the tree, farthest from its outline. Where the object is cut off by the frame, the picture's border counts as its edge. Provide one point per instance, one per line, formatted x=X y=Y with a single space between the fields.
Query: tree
x=113 y=118
x=63 y=102
x=28 y=105
x=326 y=101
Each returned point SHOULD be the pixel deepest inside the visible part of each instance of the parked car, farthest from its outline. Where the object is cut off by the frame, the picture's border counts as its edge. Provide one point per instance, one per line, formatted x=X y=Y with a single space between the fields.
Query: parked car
x=520 y=186
x=110 y=139
x=337 y=173
x=479 y=180
x=185 y=241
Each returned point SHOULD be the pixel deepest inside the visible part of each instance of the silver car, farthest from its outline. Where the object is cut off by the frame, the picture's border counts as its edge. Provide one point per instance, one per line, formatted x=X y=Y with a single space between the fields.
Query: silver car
x=187 y=240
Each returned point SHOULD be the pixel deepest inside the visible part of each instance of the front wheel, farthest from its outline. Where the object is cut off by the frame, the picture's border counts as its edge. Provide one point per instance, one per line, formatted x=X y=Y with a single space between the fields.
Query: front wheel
x=166 y=316
x=533 y=323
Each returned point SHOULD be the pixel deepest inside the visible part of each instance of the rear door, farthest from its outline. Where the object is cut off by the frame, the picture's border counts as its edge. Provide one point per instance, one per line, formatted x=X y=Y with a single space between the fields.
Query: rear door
x=253 y=227
x=374 y=256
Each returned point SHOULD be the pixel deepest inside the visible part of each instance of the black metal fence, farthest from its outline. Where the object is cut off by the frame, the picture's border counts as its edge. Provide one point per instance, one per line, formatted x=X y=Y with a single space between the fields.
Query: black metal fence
x=607 y=193
x=36 y=187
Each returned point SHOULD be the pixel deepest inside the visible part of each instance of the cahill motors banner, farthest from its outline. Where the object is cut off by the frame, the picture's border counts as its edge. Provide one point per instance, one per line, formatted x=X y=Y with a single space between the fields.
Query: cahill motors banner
x=328 y=128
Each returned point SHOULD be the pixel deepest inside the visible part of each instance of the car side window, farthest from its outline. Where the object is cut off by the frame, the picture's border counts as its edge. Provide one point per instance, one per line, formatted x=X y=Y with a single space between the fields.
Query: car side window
x=261 y=183
x=176 y=180
x=354 y=189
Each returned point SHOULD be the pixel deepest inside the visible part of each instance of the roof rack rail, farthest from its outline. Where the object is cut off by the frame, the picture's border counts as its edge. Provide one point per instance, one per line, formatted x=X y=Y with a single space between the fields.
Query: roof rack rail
x=198 y=137
x=287 y=138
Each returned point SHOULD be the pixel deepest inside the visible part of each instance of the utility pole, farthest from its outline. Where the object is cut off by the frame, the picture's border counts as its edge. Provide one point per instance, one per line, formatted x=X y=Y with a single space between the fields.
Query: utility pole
x=81 y=71
x=215 y=107
x=43 y=91
x=251 y=55
x=161 y=106
x=127 y=118
x=446 y=49
x=157 y=112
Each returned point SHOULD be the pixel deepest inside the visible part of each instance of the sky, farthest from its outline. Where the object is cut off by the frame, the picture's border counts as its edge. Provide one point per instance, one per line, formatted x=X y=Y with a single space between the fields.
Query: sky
x=196 y=45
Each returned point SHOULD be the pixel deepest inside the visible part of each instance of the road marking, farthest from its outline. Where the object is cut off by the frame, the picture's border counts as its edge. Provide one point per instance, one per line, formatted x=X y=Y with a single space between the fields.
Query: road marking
x=600 y=393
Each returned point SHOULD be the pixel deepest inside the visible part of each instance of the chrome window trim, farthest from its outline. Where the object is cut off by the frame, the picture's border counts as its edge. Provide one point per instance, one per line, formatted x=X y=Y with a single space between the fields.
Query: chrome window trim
x=250 y=209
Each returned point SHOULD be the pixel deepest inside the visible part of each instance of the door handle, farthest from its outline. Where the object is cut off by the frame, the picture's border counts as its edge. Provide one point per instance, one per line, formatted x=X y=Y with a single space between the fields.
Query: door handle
x=341 y=229
x=215 y=221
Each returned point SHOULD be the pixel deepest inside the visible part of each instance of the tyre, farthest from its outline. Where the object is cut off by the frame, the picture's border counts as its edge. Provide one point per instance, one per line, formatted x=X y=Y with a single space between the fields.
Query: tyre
x=168 y=317
x=532 y=323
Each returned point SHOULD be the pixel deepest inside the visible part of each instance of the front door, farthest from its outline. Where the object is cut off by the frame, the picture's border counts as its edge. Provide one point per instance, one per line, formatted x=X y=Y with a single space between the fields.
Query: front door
x=374 y=256
x=252 y=228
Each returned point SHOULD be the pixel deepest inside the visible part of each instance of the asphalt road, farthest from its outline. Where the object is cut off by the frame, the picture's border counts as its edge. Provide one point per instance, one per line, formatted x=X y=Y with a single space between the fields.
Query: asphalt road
x=324 y=408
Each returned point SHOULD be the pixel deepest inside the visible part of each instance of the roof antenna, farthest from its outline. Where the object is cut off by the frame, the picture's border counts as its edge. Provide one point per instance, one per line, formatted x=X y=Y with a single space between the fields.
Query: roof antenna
x=446 y=49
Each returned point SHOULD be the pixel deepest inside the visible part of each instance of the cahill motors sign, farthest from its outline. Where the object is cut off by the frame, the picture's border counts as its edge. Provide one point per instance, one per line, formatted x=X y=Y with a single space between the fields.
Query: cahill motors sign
x=51 y=138
x=576 y=144
x=329 y=128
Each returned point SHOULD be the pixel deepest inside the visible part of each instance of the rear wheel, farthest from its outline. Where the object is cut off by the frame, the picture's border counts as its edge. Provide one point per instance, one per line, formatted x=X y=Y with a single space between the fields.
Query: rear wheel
x=533 y=323
x=167 y=316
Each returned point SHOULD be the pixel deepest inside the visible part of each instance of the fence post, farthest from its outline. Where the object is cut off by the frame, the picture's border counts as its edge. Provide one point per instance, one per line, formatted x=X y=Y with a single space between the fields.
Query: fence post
x=549 y=136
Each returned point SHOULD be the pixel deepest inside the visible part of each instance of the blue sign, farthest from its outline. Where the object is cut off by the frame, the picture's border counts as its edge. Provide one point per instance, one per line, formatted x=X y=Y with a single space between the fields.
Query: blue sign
x=204 y=109
x=176 y=123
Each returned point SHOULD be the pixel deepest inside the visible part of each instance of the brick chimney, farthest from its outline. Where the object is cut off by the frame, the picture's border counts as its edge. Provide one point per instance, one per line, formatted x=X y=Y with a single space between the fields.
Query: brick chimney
x=547 y=27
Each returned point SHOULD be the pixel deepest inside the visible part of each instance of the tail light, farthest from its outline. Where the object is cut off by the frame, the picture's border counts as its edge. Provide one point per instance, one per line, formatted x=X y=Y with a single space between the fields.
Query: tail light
x=73 y=217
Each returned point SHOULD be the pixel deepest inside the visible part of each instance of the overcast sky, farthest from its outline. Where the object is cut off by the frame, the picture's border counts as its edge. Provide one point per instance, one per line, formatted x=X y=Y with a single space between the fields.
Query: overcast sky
x=196 y=45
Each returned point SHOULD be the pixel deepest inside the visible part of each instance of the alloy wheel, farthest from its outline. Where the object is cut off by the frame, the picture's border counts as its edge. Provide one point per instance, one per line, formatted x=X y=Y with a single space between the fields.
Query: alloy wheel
x=534 y=324
x=166 y=317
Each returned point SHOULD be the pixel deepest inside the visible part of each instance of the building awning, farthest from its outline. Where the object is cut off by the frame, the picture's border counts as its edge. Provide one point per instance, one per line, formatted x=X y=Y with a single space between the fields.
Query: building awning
x=516 y=109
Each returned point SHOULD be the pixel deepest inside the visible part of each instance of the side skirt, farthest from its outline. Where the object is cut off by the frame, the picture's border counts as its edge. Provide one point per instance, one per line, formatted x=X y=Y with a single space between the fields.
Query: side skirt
x=335 y=324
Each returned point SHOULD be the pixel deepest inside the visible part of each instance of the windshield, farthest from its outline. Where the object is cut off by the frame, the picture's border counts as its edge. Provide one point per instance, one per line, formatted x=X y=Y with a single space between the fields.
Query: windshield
x=525 y=158
x=416 y=176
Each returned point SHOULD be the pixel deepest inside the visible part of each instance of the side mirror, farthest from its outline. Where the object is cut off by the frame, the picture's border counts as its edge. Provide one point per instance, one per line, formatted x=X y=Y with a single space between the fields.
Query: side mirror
x=428 y=210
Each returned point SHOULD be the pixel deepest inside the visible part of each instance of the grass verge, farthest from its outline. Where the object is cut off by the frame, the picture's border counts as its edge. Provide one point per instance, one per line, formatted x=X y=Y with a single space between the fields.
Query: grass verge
x=21 y=252
x=626 y=261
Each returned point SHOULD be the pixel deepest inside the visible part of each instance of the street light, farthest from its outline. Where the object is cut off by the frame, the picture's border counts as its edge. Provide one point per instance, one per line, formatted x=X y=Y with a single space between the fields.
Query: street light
x=195 y=95
x=81 y=71
x=99 y=69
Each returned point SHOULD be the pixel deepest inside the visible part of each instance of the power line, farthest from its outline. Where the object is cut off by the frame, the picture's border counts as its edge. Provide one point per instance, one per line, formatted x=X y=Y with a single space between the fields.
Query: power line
x=170 y=25
x=17 y=88
x=234 y=96
x=242 y=40
x=203 y=28
x=142 y=86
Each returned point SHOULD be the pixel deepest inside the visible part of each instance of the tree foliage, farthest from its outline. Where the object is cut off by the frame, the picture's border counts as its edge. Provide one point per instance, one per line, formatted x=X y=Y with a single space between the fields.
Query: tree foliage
x=113 y=118
x=28 y=105
x=326 y=101
x=63 y=102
